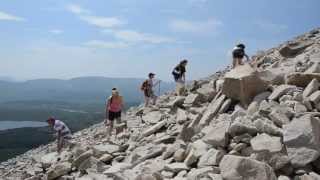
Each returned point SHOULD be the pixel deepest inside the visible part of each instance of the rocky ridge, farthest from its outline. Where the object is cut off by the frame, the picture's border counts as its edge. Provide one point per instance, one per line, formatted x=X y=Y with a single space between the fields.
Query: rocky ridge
x=260 y=123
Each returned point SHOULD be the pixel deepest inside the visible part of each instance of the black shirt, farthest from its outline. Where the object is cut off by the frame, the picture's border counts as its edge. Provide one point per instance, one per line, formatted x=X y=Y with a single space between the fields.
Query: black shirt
x=180 y=69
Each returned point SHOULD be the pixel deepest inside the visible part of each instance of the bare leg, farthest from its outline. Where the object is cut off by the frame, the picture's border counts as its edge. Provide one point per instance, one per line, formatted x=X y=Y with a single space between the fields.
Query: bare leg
x=154 y=99
x=146 y=99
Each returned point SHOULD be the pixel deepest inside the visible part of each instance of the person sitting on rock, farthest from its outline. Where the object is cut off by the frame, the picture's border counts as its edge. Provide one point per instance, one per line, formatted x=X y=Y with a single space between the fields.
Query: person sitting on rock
x=62 y=130
x=147 y=88
x=114 y=108
x=179 y=74
x=238 y=54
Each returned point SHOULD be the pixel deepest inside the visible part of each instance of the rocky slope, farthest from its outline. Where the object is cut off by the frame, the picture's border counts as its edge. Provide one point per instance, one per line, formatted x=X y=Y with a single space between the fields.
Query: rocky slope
x=258 y=123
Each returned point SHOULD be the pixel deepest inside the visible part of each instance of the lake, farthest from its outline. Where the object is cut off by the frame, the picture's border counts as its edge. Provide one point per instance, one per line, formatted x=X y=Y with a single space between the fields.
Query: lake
x=5 y=125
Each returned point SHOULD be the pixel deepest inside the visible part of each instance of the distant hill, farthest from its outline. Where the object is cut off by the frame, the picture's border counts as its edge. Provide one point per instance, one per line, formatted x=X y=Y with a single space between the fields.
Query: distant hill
x=76 y=90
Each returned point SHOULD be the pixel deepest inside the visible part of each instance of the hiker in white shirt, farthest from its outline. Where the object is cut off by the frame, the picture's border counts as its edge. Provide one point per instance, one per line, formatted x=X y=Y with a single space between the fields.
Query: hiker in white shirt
x=62 y=130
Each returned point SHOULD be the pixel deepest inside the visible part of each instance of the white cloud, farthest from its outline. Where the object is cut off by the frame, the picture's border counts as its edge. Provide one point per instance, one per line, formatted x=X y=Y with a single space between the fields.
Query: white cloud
x=56 y=31
x=99 y=21
x=105 y=44
x=271 y=27
x=180 y=25
x=103 y=22
x=8 y=17
x=136 y=37
x=76 y=9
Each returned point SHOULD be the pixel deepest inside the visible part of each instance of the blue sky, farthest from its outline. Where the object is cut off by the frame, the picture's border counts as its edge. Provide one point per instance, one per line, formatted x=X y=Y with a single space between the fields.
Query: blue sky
x=129 y=38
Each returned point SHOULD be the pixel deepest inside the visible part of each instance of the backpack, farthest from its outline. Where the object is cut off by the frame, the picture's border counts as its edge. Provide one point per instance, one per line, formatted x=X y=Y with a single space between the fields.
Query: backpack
x=144 y=85
x=176 y=73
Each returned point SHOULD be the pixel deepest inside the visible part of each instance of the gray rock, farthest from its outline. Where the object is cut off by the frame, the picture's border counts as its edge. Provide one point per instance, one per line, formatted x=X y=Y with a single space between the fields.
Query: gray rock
x=280 y=91
x=293 y=49
x=217 y=135
x=195 y=174
x=315 y=97
x=179 y=155
x=301 y=79
x=48 y=159
x=311 y=88
x=176 y=167
x=81 y=158
x=262 y=96
x=278 y=117
x=225 y=106
x=152 y=117
x=243 y=84
x=264 y=142
x=146 y=176
x=212 y=111
x=193 y=99
x=266 y=126
x=240 y=168
x=211 y=158
x=106 y=158
x=301 y=138
x=242 y=125
x=281 y=177
x=182 y=116
x=207 y=92
x=102 y=149
x=177 y=102
x=155 y=128
x=315 y=68
x=300 y=108
x=59 y=170
x=192 y=157
x=92 y=164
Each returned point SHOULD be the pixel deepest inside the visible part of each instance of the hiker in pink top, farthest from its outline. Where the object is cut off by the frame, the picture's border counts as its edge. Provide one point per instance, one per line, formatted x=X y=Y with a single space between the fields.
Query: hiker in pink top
x=114 y=107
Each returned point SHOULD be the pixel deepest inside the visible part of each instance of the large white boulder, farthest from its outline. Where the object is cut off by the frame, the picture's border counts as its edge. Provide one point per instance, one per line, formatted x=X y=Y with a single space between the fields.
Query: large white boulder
x=243 y=84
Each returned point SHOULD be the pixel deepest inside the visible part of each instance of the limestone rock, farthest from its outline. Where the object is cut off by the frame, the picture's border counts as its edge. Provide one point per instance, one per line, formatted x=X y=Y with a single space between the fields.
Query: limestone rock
x=59 y=170
x=311 y=88
x=301 y=79
x=212 y=110
x=182 y=116
x=179 y=155
x=315 y=97
x=243 y=84
x=101 y=149
x=154 y=128
x=293 y=49
x=81 y=158
x=211 y=158
x=301 y=138
x=264 y=142
x=280 y=91
x=176 y=167
x=242 y=125
x=238 y=168
x=152 y=117
x=217 y=135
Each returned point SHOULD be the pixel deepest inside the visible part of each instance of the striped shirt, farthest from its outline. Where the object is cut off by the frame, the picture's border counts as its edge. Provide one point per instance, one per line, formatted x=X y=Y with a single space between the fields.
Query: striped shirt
x=61 y=126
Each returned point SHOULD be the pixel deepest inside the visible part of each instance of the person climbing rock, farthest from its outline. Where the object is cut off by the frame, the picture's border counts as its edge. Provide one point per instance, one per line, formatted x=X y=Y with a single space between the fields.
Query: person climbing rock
x=238 y=54
x=63 y=132
x=147 y=88
x=179 y=74
x=114 y=107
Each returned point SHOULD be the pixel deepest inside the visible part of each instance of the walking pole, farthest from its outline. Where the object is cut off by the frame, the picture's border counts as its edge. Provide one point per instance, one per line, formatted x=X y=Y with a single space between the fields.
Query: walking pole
x=159 y=88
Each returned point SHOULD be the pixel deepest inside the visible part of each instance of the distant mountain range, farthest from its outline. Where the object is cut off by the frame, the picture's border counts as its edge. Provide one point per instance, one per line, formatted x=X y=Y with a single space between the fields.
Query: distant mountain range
x=76 y=90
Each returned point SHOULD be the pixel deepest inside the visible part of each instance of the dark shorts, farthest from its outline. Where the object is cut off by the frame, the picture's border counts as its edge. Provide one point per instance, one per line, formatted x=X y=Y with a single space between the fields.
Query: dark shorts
x=148 y=94
x=114 y=115
x=237 y=54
